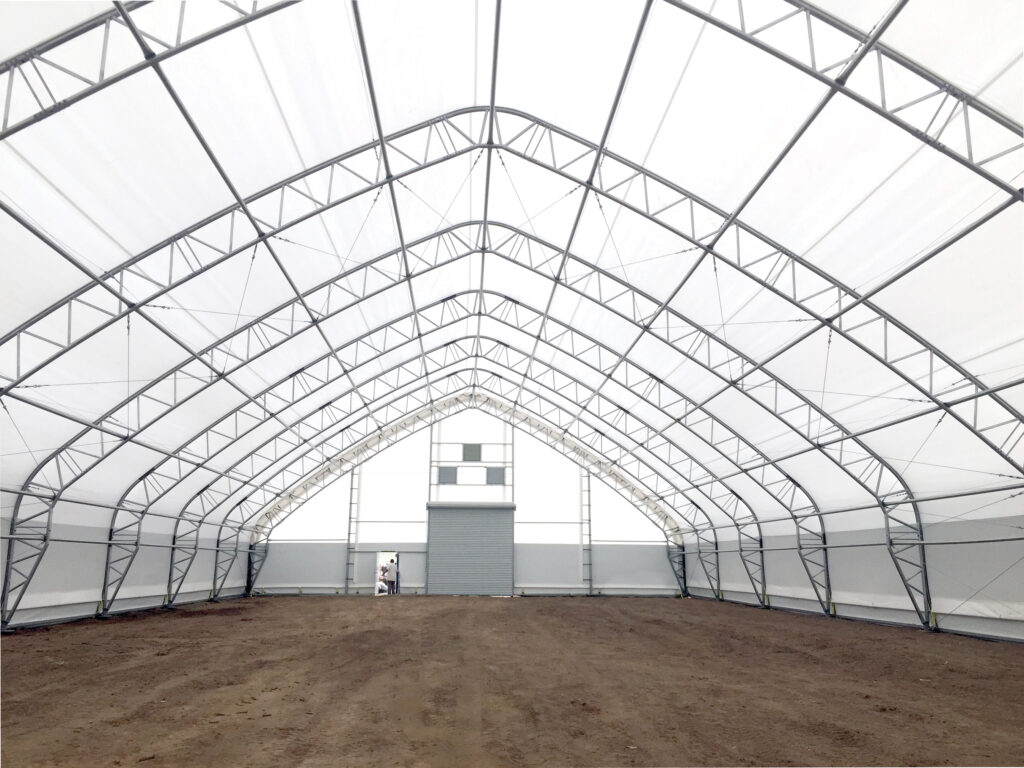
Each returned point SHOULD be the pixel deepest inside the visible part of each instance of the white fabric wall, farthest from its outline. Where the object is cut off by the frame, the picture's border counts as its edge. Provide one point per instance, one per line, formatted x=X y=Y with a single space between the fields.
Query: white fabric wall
x=68 y=583
x=317 y=567
x=976 y=588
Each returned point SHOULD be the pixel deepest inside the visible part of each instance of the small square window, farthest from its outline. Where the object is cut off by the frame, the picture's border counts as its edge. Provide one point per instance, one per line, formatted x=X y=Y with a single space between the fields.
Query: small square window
x=495 y=475
x=447 y=475
x=471 y=451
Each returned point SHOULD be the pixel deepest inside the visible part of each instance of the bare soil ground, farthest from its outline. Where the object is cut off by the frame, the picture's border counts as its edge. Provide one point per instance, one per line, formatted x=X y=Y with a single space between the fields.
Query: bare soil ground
x=450 y=681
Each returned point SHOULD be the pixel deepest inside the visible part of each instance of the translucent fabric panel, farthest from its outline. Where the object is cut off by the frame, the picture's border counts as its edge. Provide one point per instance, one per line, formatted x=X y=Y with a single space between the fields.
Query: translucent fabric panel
x=69 y=573
x=860 y=198
x=355 y=321
x=507 y=278
x=507 y=333
x=1014 y=395
x=106 y=369
x=106 y=180
x=215 y=304
x=699 y=446
x=694 y=95
x=854 y=389
x=286 y=92
x=635 y=404
x=592 y=318
x=632 y=248
x=27 y=437
x=665 y=362
x=244 y=445
x=103 y=50
x=179 y=495
x=937 y=455
x=447 y=194
x=831 y=487
x=287 y=357
x=105 y=483
x=863 y=14
x=731 y=306
x=337 y=240
x=428 y=58
x=37 y=277
x=754 y=422
x=192 y=415
x=437 y=284
x=763 y=504
x=980 y=273
x=25 y=27
x=567 y=369
x=976 y=46
x=548 y=50
x=533 y=199
x=370 y=364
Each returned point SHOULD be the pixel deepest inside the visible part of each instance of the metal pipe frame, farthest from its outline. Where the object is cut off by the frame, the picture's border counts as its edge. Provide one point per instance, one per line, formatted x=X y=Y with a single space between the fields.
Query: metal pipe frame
x=668 y=451
x=471 y=349
x=609 y=276
x=175 y=468
x=586 y=554
x=27 y=64
x=589 y=342
x=780 y=272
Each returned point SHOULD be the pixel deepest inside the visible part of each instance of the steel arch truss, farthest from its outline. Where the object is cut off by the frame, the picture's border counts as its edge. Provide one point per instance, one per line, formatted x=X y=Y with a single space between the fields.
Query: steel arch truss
x=931 y=109
x=40 y=82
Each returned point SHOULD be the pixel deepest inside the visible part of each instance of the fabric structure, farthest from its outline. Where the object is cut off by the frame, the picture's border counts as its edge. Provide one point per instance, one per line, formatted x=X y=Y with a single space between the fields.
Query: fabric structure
x=754 y=263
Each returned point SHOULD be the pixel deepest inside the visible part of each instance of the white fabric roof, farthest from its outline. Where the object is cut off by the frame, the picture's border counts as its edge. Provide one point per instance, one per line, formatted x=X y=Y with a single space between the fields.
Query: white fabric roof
x=763 y=258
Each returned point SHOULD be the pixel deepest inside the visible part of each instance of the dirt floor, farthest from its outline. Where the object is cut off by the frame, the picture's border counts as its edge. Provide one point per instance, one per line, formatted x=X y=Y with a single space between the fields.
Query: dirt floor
x=449 y=681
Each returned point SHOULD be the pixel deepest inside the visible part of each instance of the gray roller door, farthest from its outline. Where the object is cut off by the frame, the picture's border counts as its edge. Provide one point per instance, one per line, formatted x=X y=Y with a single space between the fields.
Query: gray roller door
x=469 y=550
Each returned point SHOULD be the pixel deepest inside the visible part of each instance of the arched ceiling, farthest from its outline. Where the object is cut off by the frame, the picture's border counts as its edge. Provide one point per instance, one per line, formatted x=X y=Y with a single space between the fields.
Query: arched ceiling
x=692 y=239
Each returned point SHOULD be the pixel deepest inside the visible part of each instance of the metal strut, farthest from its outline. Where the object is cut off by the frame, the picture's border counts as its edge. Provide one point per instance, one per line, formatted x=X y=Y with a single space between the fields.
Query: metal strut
x=586 y=541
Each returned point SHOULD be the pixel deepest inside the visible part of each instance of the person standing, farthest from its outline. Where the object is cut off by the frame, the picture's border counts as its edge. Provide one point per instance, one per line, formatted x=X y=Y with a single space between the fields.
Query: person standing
x=392 y=577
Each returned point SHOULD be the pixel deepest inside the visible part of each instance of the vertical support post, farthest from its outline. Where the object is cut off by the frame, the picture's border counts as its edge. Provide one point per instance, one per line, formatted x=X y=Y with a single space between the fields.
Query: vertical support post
x=586 y=553
x=510 y=464
x=352 y=538
x=256 y=556
x=432 y=479
x=904 y=536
